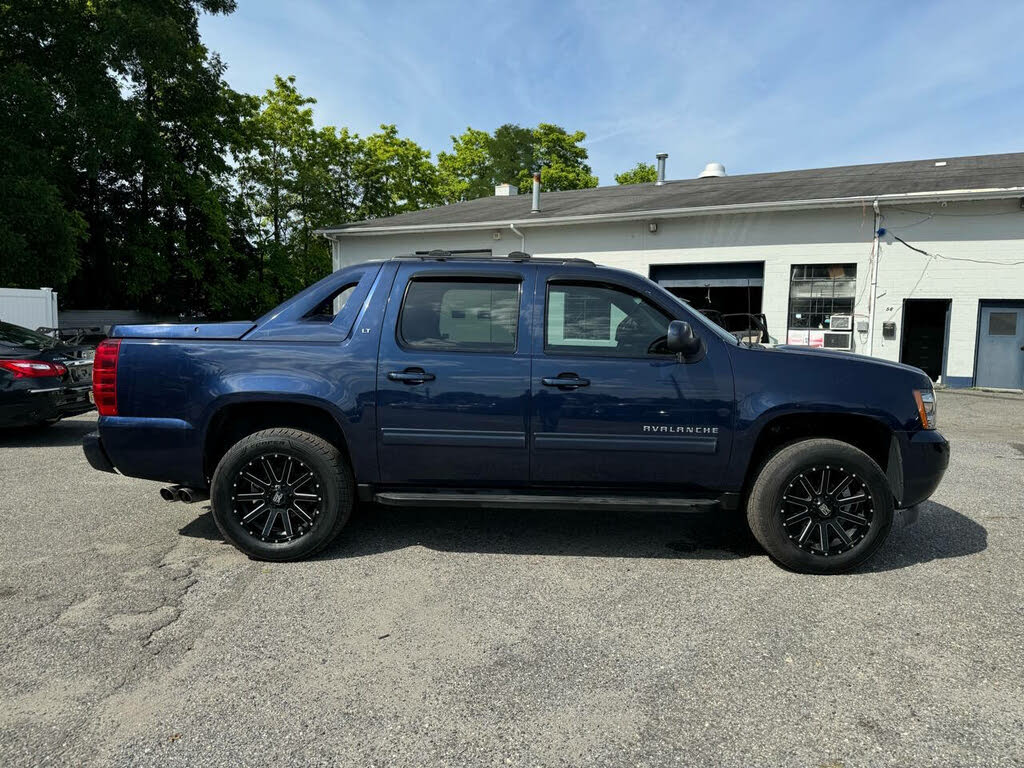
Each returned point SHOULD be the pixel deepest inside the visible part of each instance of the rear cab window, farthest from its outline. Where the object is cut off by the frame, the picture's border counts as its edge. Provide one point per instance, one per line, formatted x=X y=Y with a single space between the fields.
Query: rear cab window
x=328 y=309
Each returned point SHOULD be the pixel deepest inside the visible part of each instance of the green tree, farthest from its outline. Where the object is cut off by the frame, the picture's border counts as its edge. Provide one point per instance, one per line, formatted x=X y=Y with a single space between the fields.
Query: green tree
x=561 y=159
x=513 y=150
x=479 y=161
x=467 y=172
x=39 y=235
x=641 y=173
x=129 y=124
x=394 y=174
x=293 y=179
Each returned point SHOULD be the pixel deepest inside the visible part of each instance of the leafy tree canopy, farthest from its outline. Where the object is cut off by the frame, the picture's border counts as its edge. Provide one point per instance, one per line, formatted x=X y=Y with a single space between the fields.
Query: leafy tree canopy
x=133 y=176
x=641 y=173
x=479 y=161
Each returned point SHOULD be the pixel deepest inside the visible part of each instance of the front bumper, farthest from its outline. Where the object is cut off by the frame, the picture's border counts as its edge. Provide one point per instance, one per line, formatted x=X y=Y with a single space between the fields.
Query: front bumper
x=917 y=462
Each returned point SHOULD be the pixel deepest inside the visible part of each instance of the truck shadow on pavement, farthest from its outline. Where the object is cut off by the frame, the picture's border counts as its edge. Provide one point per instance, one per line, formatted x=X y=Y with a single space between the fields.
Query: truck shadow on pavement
x=940 y=533
x=59 y=435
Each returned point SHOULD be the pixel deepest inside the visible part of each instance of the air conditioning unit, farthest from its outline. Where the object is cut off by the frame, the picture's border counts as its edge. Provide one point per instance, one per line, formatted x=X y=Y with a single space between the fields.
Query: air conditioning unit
x=841 y=322
x=840 y=340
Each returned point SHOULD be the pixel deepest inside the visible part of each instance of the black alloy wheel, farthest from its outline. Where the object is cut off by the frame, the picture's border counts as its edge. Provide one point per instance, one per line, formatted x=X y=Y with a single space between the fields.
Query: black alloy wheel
x=277 y=497
x=820 y=505
x=282 y=494
x=827 y=510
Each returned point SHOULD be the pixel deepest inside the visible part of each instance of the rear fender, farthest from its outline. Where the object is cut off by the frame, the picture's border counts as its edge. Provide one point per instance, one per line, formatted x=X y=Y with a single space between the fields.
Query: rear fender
x=353 y=422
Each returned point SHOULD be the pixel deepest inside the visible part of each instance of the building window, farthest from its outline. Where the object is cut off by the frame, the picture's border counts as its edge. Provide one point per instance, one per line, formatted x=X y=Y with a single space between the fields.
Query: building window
x=818 y=291
x=460 y=315
x=1002 y=324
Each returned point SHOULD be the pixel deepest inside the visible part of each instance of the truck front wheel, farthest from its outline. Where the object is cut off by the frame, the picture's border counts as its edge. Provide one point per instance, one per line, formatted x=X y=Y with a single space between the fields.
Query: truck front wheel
x=820 y=506
x=281 y=494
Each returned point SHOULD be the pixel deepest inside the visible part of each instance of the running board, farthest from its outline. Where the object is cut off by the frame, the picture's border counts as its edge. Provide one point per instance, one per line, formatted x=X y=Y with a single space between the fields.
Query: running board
x=538 y=501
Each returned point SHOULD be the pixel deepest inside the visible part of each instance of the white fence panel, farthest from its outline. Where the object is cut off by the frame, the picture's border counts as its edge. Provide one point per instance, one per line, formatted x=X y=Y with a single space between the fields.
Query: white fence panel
x=29 y=307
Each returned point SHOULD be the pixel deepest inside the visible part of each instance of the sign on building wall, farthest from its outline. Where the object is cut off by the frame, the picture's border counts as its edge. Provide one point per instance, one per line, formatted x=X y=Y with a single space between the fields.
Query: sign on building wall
x=820 y=339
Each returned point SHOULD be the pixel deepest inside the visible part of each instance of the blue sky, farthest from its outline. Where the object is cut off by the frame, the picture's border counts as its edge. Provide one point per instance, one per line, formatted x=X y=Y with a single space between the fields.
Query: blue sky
x=757 y=86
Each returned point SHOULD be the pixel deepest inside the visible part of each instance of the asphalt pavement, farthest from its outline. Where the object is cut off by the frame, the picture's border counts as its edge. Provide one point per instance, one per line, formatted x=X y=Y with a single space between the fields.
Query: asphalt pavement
x=130 y=634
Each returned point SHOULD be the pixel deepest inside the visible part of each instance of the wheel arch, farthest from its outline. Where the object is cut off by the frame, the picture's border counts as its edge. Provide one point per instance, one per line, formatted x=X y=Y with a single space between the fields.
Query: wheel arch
x=868 y=433
x=235 y=418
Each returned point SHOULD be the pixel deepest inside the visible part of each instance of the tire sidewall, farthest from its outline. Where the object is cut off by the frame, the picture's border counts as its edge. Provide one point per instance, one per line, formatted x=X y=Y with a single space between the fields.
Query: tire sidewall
x=336 y=506
x=772 y=483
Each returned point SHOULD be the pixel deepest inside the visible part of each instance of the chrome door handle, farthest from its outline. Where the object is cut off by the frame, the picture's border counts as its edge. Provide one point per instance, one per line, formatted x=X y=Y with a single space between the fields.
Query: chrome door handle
x=411 y=376
x=565 y=381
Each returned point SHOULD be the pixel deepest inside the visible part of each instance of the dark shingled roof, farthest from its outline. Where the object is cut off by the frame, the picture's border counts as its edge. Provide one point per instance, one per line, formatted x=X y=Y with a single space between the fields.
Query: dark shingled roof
x=981 y=172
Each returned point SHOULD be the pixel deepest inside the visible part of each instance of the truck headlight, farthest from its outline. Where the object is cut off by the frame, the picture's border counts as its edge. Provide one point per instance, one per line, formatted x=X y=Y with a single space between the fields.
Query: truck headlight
x=926 y=407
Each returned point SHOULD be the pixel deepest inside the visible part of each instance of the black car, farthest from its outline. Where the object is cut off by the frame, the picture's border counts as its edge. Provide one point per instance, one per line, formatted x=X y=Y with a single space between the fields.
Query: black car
x=42 y=380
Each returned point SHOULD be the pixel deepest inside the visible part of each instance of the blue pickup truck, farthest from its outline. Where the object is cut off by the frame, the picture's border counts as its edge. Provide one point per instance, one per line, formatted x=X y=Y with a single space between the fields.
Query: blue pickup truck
x=512 y=382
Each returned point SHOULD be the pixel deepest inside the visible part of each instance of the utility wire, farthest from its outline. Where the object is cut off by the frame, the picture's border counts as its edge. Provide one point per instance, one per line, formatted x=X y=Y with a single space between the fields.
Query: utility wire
x=911 y=247
x=920 y=277
x=884 y=231
x=954 y=215
x=933 y=256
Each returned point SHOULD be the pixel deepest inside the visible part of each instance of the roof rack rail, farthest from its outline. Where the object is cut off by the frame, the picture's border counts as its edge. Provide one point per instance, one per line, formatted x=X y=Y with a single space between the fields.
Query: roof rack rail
x=517 y=256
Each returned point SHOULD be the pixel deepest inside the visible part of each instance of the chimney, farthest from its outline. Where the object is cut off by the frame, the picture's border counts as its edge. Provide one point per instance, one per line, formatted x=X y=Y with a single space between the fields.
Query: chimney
x=662 y=157
x=536 y=193
x=711 y=170
x=506 y=190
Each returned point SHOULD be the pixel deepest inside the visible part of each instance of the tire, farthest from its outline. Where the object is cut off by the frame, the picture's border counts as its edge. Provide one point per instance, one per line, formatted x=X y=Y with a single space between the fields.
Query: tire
x=280 y=460
x=788 y=510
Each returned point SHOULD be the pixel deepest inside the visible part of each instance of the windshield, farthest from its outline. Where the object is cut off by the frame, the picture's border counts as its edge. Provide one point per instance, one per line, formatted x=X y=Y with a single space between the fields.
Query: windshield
x=16 y=336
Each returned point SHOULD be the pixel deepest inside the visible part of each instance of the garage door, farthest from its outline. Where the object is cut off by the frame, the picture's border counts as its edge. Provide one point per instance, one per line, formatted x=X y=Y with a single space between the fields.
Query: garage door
x=1000 y=339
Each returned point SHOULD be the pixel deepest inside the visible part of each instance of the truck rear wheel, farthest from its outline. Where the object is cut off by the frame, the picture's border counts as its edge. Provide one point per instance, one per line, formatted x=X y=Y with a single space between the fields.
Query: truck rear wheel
x=281 y=494
x=820 y=506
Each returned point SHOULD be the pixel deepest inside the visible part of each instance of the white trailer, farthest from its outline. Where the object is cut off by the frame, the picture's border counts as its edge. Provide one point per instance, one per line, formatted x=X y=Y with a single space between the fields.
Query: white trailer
x=29 y=307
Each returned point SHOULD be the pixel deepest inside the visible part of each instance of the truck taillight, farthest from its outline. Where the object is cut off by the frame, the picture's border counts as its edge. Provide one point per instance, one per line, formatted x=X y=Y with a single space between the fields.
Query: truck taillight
x=104 y=377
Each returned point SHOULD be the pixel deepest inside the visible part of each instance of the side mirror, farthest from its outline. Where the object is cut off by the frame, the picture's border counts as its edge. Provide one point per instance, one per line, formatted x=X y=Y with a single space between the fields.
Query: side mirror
x=683 y=341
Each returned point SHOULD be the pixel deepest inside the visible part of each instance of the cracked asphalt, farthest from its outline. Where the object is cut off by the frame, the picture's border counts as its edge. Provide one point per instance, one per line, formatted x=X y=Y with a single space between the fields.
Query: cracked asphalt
x=131 y=635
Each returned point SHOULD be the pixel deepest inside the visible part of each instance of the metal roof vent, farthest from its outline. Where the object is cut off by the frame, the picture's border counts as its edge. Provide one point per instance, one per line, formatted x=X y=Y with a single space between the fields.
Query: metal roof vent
x=712 y=169
x=662 y=157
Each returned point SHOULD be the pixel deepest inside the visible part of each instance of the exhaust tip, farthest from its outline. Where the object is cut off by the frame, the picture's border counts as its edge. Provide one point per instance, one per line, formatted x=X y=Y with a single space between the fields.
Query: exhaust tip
x=169 y=494
x=189 y=495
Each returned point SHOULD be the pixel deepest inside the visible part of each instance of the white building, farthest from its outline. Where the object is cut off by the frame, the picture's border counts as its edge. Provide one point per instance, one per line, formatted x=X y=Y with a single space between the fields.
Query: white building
x=800 y=246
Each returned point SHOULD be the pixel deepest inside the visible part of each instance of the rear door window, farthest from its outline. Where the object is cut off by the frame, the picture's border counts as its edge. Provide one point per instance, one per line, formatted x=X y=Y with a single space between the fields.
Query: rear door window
x=460 y=314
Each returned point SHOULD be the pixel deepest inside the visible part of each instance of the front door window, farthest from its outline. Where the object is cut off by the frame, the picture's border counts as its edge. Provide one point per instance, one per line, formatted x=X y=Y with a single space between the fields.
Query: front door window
x=602 y=320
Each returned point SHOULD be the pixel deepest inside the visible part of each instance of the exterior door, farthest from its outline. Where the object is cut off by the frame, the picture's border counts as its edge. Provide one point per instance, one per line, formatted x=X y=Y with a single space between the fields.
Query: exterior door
x=453 y=377
x=1001 y=345
x=925 y=328
x=611 y=407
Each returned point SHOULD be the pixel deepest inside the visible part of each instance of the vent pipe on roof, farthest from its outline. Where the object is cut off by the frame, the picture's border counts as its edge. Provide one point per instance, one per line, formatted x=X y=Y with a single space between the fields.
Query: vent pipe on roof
x=662 y=157
x=536 y=193
x=712 y=169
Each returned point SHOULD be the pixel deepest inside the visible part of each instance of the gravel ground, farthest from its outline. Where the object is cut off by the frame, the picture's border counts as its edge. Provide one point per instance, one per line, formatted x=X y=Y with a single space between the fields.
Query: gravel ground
x=130 y=634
